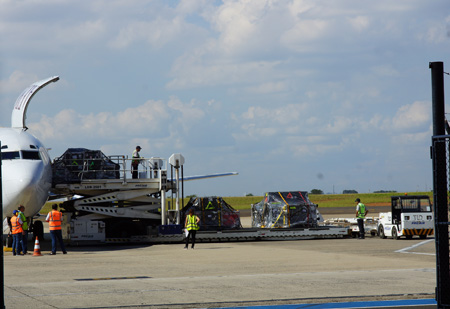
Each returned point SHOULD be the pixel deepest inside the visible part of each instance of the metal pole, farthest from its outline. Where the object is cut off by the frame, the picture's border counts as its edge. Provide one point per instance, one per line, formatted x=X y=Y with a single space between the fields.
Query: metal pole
x=163 y=207
x=177 y=176
x=1 y=211
x=437 y=93
x=440 y=186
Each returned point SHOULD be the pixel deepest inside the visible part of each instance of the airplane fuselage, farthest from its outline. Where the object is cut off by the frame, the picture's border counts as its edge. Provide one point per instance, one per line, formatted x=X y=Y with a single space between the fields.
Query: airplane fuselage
x=26 y=171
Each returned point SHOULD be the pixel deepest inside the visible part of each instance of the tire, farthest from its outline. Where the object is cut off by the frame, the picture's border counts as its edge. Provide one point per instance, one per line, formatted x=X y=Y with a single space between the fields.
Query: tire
x=381 y=232
x=38 y=230
x=409 y=236
x=395 y=234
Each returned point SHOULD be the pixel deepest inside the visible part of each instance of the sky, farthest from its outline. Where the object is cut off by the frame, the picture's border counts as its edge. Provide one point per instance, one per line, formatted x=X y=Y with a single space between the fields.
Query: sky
x=292 y=95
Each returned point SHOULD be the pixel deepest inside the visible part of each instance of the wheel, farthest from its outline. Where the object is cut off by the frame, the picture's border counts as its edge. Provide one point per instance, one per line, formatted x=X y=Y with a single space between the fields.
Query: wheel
x=409 y=236
x=394 y=233
x=38 y=230
x=381 y=232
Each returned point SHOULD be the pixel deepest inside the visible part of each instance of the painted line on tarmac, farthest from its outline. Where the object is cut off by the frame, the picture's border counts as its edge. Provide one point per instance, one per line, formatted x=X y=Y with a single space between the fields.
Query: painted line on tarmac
x=113 y=278
x=360 y=304
x=406 y=250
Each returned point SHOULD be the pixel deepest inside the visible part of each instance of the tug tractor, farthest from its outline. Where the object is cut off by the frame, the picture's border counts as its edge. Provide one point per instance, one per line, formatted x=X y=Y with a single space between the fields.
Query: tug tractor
x=410 y=215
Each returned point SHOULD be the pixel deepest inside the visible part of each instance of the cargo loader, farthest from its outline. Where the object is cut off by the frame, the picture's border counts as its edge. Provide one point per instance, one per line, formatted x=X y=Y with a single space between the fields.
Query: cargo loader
x=106 y=205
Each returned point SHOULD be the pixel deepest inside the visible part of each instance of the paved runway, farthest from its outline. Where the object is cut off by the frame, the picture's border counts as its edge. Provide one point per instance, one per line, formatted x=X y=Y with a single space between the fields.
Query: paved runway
x=222 y=274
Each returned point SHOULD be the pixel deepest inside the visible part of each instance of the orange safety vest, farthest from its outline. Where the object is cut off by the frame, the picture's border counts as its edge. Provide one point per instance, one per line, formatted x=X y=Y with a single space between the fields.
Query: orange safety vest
x=54 y=221
x=16 y=226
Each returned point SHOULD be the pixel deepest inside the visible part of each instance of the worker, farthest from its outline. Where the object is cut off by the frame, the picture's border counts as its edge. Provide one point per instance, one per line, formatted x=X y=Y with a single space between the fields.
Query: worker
x=25 y=229
x=135 y=162
x=191 y=225
x=17 y=232
x=361 y=212
x=54 y=219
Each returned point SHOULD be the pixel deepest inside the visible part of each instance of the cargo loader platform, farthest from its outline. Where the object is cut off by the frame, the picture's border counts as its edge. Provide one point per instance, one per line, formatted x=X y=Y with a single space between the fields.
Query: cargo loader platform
x=249 y=234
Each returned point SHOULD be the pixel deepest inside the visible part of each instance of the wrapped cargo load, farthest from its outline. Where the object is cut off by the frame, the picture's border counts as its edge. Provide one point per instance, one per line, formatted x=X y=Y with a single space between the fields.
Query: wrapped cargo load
x=285 y=210
x=214 y=213
x=77 y=164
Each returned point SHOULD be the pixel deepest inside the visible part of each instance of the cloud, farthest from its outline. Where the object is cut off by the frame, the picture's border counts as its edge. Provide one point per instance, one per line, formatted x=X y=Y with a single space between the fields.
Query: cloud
x=412 y=117
x=17 y=82
x=241 y=82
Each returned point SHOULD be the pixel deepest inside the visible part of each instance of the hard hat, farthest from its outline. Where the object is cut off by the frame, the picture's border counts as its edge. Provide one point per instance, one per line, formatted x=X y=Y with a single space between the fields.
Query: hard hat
x=15 y=211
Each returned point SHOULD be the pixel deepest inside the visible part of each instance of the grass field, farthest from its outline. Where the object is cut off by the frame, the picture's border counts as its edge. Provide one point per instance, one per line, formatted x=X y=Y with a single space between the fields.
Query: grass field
x=323 y=200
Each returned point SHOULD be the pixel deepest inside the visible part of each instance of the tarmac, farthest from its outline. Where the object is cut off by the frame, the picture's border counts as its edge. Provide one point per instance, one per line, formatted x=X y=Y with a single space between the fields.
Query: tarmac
x=220 y=275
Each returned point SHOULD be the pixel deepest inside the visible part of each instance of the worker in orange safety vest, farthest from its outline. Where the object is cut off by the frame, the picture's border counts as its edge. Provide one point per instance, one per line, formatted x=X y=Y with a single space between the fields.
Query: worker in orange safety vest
x=17 y=232
x=54 y=219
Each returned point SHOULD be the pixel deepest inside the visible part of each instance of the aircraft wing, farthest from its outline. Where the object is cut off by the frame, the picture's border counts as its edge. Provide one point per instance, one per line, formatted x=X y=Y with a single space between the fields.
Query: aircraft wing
x=20 y=108
x=188 y=178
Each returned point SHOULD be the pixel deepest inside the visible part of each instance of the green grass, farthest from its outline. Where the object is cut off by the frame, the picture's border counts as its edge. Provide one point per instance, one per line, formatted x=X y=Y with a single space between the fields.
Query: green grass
x=327 y=200
x=323 y=200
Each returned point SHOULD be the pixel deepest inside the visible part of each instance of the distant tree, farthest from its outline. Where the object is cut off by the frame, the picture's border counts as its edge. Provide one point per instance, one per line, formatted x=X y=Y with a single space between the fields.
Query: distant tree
x=349 y=192
x=316 y=191
x=385 y=191
x=249 y=194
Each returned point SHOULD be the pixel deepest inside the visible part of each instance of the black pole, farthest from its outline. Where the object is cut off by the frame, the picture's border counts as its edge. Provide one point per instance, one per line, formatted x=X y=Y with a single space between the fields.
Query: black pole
x=437 y=93
x=440 y=186
x=1 y=211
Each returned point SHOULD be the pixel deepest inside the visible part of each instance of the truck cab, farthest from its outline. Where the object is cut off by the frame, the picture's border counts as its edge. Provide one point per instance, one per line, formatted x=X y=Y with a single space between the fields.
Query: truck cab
x=410 y=215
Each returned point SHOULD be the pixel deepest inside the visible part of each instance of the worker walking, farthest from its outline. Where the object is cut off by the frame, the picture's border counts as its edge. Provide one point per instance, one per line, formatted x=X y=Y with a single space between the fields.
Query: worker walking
x=135 y=162
x=17 y=232
x=21 y=215
x=54 y=219
x=191 y=225
x=361 y=212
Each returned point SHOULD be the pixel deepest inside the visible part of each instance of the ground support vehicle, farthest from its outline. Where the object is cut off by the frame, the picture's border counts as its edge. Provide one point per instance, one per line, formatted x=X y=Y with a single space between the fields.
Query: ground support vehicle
x=109 y=207
x=410 y=215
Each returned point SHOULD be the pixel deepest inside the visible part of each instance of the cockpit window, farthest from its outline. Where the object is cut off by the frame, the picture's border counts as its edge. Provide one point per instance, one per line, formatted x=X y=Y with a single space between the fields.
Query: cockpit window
x=30 y=155
x=10 y=155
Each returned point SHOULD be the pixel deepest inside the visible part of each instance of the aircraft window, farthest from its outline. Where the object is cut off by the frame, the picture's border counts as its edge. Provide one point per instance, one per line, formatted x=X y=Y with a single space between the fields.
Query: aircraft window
x=30 y=155
x=10 y=155
x=33 y=147
x=4 y=146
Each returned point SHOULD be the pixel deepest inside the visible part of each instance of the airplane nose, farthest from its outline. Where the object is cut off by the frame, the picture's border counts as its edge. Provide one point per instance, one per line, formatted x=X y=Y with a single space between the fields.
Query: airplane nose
x=17 y=191
x=27 y=187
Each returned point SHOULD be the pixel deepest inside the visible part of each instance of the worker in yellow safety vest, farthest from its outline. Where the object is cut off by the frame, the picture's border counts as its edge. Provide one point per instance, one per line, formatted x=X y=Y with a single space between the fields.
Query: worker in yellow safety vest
x=54 y=219
x=191 y=225
x=17 y=232
x=361 y=212
x=22 y=216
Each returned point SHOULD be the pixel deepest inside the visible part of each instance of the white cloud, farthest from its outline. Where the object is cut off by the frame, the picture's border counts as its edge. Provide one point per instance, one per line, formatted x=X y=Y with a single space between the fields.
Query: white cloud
x=359 y=23
x=269 y=87
x=17 y=82
x=412 y=116
x=232 y=82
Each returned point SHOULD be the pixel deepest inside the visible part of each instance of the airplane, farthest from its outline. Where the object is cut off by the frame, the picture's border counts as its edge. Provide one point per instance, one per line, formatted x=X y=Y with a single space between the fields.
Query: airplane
x=26 y=165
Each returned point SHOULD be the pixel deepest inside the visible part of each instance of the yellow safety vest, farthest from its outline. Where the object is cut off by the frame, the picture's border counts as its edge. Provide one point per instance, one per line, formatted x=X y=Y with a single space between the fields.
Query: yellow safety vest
x=192 y=223
x=362 y=211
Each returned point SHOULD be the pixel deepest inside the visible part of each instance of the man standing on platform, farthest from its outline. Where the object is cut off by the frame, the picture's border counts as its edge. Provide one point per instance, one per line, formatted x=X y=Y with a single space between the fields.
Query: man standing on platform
x=135 y=162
